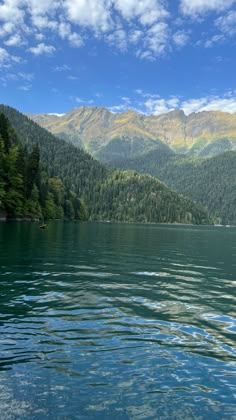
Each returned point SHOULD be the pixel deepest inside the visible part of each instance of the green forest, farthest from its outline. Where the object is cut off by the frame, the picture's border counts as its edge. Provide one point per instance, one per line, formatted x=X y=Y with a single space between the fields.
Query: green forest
x=211 y=182
x=129 y=196
x=26 y=190
x=51 y=178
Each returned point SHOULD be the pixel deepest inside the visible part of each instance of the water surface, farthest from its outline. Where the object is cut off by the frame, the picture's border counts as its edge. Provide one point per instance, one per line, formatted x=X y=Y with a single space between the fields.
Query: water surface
x=117 y=321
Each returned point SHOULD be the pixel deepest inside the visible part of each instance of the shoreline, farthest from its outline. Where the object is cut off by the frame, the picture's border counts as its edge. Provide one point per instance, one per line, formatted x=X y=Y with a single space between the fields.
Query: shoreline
x=28 y=220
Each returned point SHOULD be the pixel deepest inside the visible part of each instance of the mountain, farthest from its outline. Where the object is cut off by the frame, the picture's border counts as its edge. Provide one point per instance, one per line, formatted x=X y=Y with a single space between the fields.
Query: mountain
x=108 y=195
x=108 y=135
x=210 y=182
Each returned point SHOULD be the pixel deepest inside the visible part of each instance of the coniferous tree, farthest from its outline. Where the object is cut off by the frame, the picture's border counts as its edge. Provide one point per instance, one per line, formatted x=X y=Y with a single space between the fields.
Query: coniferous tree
x=32 y=170
x=4 y=132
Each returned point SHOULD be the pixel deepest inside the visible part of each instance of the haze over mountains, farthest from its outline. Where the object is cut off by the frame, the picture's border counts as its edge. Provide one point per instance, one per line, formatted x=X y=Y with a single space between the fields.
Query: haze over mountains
x=110 y=137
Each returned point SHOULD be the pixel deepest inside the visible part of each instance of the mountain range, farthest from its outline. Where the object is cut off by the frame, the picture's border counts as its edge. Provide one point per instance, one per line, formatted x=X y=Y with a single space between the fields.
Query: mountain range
x=195 y=155
x=113 y=136
x=128 y=187
x=89 y=186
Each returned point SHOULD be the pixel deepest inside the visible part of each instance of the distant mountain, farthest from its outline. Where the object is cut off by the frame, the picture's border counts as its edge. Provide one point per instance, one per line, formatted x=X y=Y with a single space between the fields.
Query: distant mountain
x=211 y=181
x=108 y=136
x=107 y=195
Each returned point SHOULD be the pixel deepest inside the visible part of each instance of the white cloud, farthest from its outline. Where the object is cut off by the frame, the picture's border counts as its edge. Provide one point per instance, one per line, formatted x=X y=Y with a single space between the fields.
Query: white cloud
x=180 y=38
x=199 y=7
x=75 y=39
x=42 y=7
x=216 y=39
x=227 y=23
x=42 y=49
x=119 y=39
x=124 y=106
x=118 y=108
x=160 y=106
x=4 y=55
x=226 y=26
x=43 y=23
x=6 y=29
x=11 y=10
x=6 y=59
x=147 y=11
x=145 y=27
x=156 y=105
x=62 y=68
x=12 y=77
x=210 y=103
x=156 y=41
x=94 y=14
x=56 y=114
x=39 y=36
x=42 y=13
x=25 y=88
x=135 y=36
x=120 y=23
x=80 y=100
x=25 y=76
x=65 y=32
x=14 y=41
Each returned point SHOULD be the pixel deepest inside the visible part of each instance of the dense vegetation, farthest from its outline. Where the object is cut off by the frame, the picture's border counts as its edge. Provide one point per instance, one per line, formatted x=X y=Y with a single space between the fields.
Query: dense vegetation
x=211 y=182
x=129 y=196
x=26 y=191
x=113 y=195
x=125 y=148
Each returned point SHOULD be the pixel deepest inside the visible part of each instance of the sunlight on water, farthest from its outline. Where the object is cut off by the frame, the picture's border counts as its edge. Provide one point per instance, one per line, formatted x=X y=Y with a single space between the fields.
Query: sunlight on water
x=101 y=321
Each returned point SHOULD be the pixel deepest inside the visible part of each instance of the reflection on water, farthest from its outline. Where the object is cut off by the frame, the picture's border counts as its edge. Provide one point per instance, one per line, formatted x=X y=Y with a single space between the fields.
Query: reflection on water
x=101 y=321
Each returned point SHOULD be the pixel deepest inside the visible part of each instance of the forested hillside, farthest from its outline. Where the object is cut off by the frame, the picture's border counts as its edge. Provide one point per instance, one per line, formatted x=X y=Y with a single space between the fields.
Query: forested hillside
x=211 y=182
x=113 y=195
x=141 y=198
x=26 y=190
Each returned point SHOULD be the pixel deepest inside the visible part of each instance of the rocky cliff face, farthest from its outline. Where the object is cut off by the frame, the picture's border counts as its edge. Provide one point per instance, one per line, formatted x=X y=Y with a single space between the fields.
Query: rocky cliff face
x=99 y=131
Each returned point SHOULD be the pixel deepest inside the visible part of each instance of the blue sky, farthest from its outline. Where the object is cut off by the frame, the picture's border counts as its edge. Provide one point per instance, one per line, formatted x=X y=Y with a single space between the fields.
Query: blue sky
x=149 y=55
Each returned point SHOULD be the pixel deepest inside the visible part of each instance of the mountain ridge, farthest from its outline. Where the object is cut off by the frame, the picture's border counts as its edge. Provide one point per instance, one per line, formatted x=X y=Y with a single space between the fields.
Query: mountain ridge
x=206 y=133
x=108 y=195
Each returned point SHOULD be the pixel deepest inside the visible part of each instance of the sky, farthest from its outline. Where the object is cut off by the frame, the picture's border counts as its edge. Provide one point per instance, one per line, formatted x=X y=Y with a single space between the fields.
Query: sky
x=152 y=56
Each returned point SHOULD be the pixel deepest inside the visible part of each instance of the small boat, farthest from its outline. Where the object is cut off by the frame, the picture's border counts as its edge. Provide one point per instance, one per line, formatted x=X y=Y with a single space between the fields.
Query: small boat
x=43 y=226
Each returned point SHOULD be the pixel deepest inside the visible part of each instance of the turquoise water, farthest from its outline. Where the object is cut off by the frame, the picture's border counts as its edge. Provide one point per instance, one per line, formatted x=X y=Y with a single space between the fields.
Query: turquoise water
x=117 y=321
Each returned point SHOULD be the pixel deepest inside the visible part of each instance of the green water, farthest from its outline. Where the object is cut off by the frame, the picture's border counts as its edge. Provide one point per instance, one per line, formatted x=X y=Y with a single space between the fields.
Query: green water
x=117 y=321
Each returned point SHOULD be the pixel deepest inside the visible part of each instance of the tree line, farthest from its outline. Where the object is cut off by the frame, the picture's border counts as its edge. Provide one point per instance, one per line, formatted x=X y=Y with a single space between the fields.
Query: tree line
x=26 y=190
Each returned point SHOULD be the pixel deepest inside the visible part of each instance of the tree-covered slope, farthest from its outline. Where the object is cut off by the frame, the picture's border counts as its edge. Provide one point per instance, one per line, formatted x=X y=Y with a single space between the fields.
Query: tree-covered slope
x=125 y=148
x=26 y=190
x=129 y=196
x=76 y=167
x=108 y=194
x=210 y=182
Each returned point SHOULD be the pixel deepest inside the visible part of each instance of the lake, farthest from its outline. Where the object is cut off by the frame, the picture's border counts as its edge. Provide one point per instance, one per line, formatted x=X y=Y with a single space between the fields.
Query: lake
x=117 y=321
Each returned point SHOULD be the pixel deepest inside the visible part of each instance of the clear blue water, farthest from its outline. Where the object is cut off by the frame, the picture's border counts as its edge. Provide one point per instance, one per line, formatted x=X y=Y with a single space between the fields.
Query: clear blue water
x=117 y=321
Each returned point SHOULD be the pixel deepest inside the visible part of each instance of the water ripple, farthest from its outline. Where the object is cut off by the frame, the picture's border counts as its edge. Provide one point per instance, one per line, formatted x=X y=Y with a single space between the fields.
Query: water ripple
x=117 y=321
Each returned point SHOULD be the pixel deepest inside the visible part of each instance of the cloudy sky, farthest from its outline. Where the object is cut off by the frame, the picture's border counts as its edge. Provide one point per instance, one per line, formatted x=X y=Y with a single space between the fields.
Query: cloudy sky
x=149 y=55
